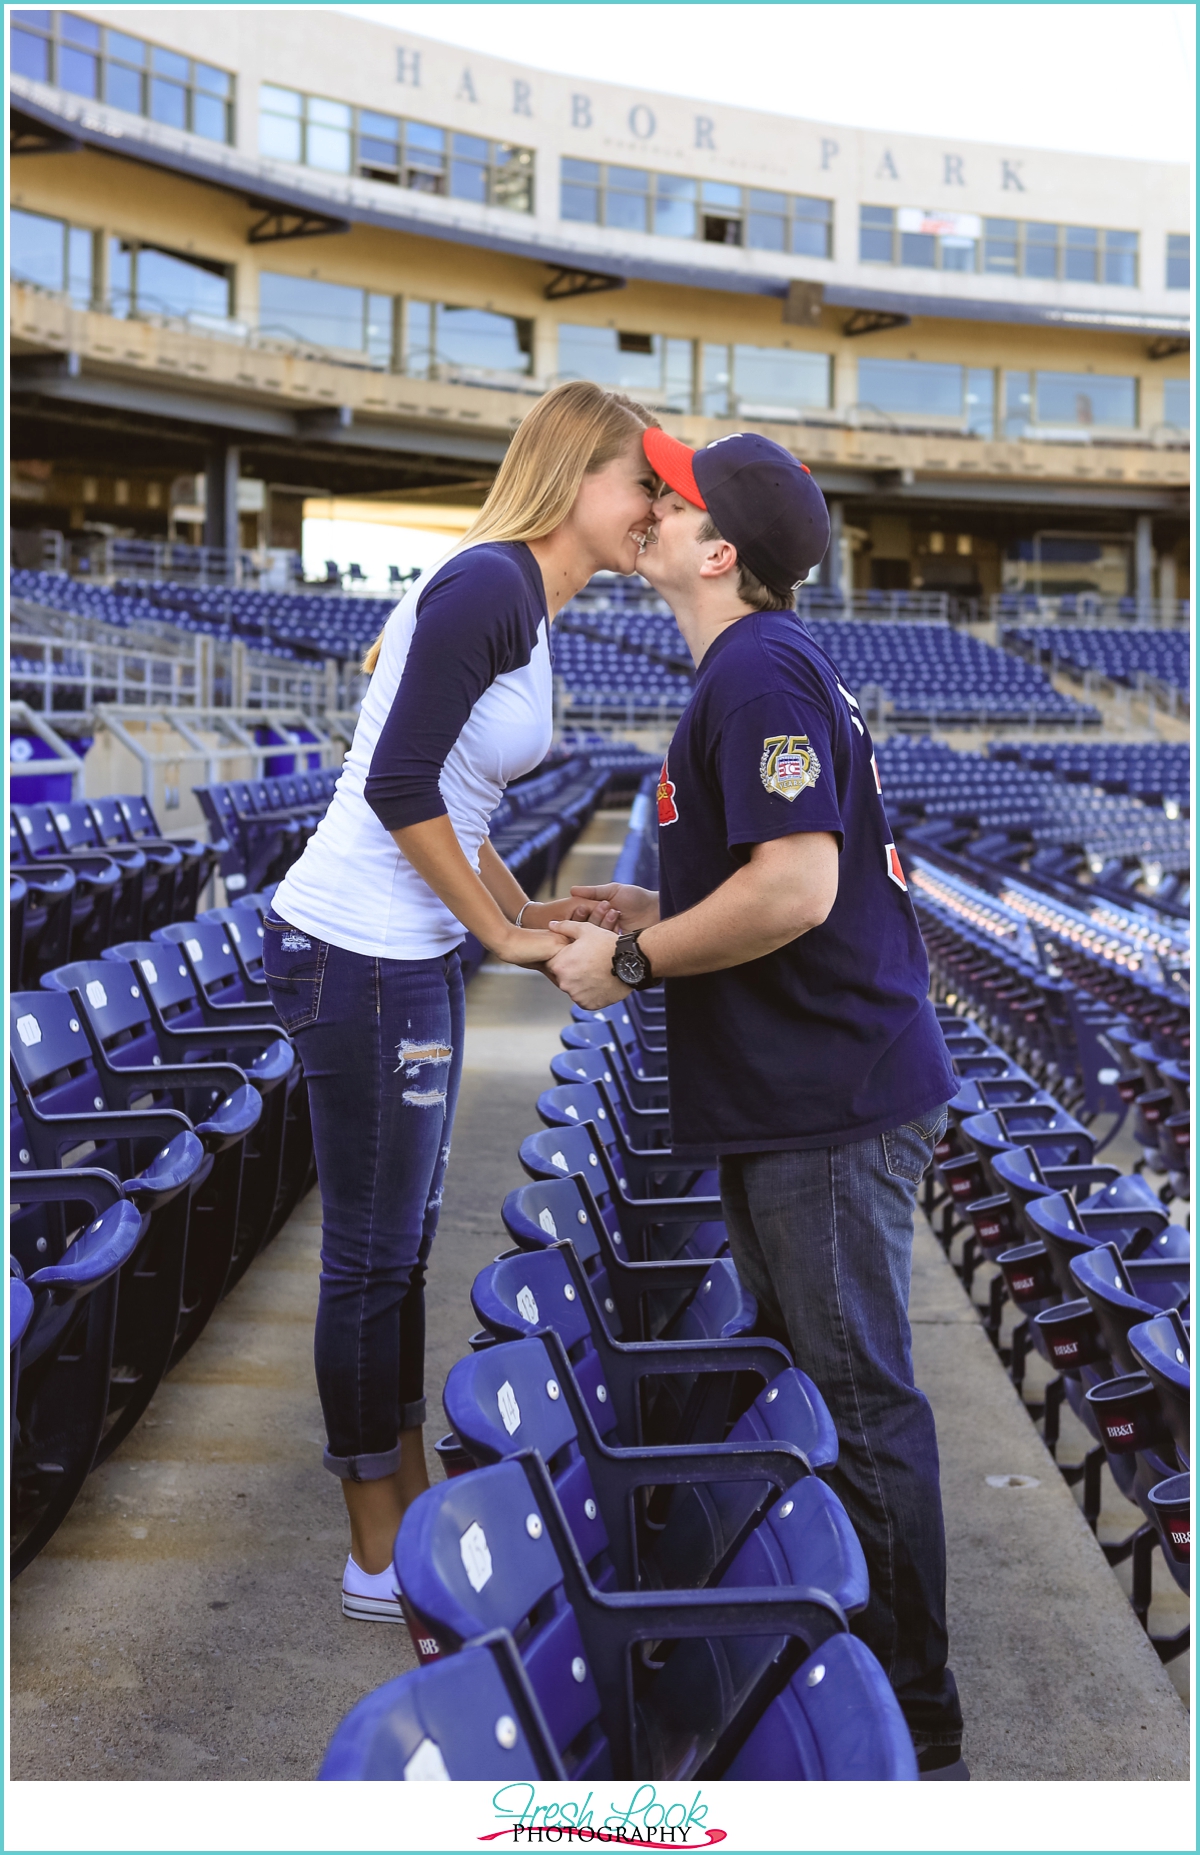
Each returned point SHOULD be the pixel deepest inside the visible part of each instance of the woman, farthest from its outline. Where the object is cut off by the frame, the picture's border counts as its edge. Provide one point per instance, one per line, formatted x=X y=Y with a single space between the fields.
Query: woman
x=361 y=944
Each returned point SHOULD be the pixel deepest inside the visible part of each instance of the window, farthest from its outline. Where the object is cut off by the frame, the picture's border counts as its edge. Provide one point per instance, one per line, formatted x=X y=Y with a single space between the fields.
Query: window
x=52 y=254
x=326 y=315
x=626 y=198
x=579 y=192
x=1085 y=399
x=1177 y=403
x=914 y=388
x=129 y=73
x=146 y=280
x=338 y=139
x=1018 y=404
x=1000 y=247
x=812 y=227
x=762 y=383
x=876 y=234
x=676 y=206
x=1072 y=400
x=920 y=240
x=656 y=367
x=444 y=341
x=1179 y=261
x=721 y=209
x=981 y=397
x=778 y=383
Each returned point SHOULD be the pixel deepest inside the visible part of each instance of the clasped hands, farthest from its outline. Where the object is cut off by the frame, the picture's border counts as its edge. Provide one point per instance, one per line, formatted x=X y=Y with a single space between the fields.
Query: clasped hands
x=583 y=942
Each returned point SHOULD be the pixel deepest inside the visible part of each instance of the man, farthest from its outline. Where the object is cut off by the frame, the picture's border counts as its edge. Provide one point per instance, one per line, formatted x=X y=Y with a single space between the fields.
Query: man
x=802 y=1045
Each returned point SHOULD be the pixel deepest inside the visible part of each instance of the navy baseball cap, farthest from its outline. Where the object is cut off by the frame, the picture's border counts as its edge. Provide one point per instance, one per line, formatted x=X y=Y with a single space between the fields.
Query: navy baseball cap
x=763 y=500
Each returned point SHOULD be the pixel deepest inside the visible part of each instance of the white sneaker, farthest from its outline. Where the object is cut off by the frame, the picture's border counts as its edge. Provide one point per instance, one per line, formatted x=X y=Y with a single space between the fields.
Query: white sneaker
x=370 y=1597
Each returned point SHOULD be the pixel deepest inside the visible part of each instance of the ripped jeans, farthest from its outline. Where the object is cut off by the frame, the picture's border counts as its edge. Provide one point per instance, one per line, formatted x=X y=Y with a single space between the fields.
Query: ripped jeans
x=381 y=1044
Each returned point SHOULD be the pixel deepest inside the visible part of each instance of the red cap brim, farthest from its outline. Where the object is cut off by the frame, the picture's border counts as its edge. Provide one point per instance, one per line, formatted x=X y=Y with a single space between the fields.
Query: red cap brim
x=673 y=462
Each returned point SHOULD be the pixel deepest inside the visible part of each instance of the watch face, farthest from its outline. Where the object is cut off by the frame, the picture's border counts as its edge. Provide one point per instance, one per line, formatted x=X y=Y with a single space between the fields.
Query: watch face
x=629 y=965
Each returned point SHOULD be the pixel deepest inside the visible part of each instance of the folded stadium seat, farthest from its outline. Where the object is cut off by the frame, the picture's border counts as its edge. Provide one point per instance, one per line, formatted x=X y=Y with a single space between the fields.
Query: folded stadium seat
x=61 y=1105
x=1024 y=1178
x=1130 y=1416
x=1161 y=1348
x=664 y=1393
x=243 y=926
x=1171 y=1506
x=661 y=1391
x=1067 y=1230
x=643 y=1083
x=1056 y=1137
x=72 y=1234
x=653 y=1227
x=645 y=1160
x=473 y=1716
x=1124 y=1294
x=75 y=833
x=250 y=851
x=683 y=1298
x=98 y=880
x=618 y=1016
x=217 y=971
x=188 y=1029
x=129 y=819
x=968 y=1173
x=521 y=1395
x=728 y=1650
x=216 y=1098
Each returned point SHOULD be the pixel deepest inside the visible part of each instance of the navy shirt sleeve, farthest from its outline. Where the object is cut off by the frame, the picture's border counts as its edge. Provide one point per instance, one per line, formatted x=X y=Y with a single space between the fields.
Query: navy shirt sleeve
x=775 y=768
x=474 y=623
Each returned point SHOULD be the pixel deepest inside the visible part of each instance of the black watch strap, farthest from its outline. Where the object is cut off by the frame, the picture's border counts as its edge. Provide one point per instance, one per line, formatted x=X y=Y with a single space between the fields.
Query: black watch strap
x=630 y=964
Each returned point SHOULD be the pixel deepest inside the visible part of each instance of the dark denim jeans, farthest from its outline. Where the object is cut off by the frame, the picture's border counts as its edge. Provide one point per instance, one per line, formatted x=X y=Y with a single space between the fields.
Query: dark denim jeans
x=823 y=1238
x=381 y=1044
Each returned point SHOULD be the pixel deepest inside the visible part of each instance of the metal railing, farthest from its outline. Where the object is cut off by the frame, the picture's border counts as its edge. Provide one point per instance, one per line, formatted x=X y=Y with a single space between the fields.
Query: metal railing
x=1089 y=609
x=57 y=676
x=66 y=664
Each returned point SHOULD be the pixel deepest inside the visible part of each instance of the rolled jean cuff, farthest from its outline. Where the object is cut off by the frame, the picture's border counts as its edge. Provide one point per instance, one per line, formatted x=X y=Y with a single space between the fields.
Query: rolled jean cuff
x=364 y=1468
x=412 y=1416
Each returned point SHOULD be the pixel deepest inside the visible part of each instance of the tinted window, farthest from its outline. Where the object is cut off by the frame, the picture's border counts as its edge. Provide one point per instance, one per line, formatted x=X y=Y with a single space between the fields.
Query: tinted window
x=931 y=387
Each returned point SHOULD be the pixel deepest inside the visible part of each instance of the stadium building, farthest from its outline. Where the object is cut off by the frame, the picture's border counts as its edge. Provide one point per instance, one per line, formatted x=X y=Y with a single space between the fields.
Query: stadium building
x=276 y=259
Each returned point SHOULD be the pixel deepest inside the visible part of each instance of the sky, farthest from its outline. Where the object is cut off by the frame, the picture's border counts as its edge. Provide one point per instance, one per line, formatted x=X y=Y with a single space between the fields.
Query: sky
x=1099 y=79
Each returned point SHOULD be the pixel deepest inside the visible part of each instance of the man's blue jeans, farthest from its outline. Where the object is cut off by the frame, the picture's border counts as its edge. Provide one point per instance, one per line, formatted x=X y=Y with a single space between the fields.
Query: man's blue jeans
x=381 y=1044
x=823 y=1239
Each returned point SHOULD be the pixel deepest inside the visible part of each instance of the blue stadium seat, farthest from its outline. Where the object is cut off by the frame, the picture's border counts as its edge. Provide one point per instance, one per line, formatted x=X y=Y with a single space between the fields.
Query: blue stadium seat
x=490 y=1550
x=73 y=1234
x=62 y=1098
x=664 y=1391
x=221 y=1106
x=473 y=1716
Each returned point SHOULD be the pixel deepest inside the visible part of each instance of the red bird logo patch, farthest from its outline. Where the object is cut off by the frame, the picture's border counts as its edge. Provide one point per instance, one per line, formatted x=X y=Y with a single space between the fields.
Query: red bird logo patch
x=667 y=810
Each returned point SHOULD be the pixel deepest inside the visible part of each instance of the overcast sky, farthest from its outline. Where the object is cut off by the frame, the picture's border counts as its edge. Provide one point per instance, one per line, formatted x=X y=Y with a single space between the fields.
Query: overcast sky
x=1101 y=79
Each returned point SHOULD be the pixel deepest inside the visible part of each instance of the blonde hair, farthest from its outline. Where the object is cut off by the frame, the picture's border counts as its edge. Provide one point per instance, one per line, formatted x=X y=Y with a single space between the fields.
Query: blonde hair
x=574 y=430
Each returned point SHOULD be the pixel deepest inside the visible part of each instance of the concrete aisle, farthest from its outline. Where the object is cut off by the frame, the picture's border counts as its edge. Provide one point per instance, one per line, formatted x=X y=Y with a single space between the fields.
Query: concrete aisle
x=184 y=1622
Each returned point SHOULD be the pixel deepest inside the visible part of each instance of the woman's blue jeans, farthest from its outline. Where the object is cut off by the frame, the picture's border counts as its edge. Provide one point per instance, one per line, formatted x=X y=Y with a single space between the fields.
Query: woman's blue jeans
x=823 y=1239
x=381 y=1044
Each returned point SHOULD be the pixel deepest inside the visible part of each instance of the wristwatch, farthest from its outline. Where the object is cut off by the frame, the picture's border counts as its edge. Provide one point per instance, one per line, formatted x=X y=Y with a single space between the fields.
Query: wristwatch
x=630 y=965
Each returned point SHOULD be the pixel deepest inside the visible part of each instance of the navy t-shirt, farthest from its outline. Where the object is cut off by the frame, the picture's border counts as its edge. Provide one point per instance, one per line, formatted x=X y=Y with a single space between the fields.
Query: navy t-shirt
x=831 y=1038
